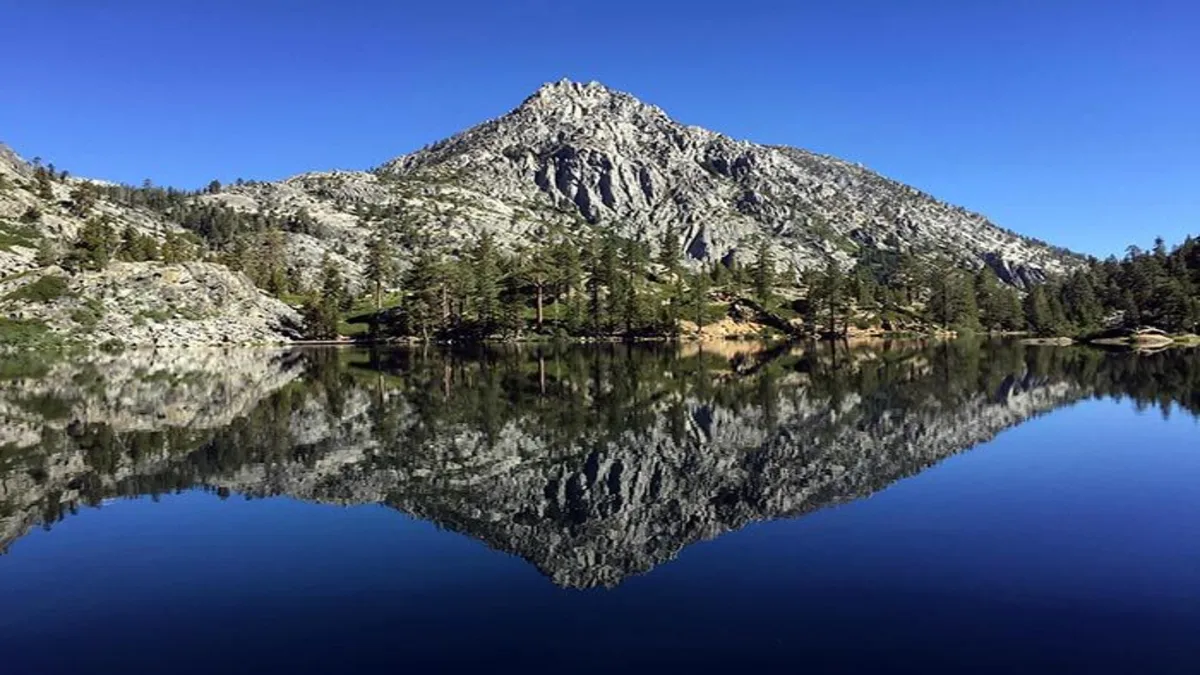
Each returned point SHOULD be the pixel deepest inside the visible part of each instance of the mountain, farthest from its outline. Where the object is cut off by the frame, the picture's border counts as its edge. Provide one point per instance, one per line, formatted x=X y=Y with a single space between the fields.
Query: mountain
x=581 y=156
x=571 y=162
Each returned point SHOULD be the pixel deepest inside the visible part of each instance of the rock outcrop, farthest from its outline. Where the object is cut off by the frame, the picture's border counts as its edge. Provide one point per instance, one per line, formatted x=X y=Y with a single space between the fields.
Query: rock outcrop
x=144 y=303
x=31 y=215
x=150 y=304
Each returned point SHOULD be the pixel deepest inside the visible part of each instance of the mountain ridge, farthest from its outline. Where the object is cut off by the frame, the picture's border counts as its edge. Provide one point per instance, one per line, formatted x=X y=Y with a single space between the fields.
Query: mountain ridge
x=575 y=157
x=594 y=149
x=573 y=166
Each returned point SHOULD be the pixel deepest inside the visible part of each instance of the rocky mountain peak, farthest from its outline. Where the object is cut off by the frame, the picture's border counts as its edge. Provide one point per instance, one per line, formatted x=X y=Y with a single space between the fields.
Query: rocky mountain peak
x=566 y=96
x=582 y=158
x=581 y=151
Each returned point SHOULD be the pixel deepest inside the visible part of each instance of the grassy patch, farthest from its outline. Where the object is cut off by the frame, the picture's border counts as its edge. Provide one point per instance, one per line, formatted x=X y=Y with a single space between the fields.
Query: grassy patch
x=14 y=234
x=24 y=365
x=86 y=317
x=27 y=334
x=353 y=329
x=293 y=299
x=46 y=289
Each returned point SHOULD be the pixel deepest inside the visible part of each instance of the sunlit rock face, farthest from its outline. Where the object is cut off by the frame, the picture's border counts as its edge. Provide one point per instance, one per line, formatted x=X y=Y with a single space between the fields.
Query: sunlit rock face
x=593 y=464
x=131 y=303
x=570 y=161
x=574 y=157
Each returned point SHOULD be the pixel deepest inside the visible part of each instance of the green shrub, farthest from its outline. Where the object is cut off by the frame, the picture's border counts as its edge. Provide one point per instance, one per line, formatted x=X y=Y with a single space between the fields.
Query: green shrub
x=46 y=289
x=26 y=334
x=21 y=366
x=85 y=317
x=12 y=235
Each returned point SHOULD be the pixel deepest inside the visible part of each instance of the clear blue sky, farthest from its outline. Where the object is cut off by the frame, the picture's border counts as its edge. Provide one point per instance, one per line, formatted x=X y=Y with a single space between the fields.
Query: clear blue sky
x=1073 y=121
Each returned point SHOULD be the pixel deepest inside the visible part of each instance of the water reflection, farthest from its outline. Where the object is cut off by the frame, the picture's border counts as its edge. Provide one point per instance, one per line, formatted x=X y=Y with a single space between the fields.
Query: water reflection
x=592 y=463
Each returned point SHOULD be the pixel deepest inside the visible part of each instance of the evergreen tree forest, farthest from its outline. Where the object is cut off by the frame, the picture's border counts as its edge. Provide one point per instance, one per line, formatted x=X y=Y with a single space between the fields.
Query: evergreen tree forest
x=610 y=286
x=593 y=283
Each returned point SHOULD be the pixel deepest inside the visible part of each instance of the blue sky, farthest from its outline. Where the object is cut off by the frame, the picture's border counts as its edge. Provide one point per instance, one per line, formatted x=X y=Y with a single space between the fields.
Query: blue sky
x=1072 y=121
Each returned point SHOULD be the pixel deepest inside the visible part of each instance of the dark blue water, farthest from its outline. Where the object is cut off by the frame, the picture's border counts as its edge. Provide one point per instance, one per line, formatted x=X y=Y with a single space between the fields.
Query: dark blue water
x=1069 y=542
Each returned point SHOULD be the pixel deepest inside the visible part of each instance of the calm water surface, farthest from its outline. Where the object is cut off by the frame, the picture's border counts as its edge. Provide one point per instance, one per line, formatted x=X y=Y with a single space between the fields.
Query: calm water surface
x=949 y=508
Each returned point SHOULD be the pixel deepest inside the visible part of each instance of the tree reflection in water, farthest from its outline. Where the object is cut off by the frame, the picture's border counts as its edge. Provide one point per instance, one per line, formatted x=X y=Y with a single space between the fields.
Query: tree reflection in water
x=591 y=462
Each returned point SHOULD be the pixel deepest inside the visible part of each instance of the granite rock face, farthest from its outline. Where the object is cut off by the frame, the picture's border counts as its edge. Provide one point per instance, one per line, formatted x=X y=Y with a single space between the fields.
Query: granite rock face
x=576 y=157
x=146 y=303
x=151 y=303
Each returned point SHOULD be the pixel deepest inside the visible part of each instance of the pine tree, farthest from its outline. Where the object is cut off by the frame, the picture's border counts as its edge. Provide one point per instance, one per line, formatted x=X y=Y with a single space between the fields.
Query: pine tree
x=512 y=299
x=424 y=304
x=863 y=289
x=627 y=292
x=826 y=295
x=380 y=267
x=967 y=319
x=45 y=189
x=720 y=274
x=1037 y=311
x=95 y=246
x=1013 y=312
x=952 y=302
x=539 y=271
x=610 y=278
x=986 y=288
x=321 y=307
x=130 y=248
x=1058 y=310
x=273 y=271
x=942 y=306
x=697 y=292
x=333 y=285
x=763 y=276
x=669 y=311
x=83 y=199
x=1083 y=307
x=320 y=317
x=486 y=272
x=668 y=252
x=595 y=284
x=568 y=280
x=170 y=249
x=460 y=288
x=46 y=253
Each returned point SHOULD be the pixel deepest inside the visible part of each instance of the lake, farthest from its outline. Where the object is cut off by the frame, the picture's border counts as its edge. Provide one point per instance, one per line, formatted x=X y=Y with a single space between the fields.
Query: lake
x=952 y=507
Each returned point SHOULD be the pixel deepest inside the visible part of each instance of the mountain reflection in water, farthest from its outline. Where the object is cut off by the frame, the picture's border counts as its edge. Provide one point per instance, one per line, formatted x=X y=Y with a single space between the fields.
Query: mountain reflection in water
x=592 y=463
